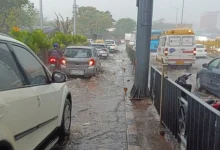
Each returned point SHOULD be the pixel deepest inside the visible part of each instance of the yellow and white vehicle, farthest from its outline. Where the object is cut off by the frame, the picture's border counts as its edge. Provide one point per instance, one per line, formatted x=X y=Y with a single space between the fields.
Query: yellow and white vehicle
x=177 y=47
x=99 y=41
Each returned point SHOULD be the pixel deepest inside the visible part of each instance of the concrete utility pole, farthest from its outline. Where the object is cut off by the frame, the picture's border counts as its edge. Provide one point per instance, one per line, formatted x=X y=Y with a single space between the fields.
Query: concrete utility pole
x=140 y=88
x=177 y=9
x=182 y=13
x=74 y=16
x=41 y=14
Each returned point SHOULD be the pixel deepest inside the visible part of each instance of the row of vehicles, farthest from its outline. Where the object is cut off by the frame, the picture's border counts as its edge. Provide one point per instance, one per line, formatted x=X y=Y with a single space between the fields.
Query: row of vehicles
x=85 y=60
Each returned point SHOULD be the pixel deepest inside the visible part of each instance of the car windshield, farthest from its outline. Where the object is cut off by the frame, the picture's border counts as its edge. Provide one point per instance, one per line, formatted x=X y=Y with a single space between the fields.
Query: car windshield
x=98 y=46
x=200 y=46
x=78 y=53
x=109 y=42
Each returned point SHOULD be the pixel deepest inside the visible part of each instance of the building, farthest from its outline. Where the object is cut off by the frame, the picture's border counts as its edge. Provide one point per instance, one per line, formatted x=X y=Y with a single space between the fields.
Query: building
x=210 y=20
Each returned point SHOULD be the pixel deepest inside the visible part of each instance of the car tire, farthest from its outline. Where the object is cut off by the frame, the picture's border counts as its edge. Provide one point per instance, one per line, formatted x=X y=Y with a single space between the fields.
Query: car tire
x=96 y=72
x=64 y=130
x=198 y=84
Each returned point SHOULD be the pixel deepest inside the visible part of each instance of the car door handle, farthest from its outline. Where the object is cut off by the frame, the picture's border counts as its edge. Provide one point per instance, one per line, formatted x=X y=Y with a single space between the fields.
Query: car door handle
x=39 y=101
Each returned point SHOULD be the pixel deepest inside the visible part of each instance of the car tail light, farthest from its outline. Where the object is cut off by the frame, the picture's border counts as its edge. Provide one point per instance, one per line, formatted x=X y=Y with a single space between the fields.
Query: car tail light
x=63 y=61
x=166 y=52
x=194 y=51
x=91 y=62
x=104 y=49
x=205 y=50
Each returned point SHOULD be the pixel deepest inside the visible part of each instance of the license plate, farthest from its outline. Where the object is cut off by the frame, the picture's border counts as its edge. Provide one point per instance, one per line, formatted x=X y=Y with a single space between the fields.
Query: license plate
x=180 y=62
x=103 y=54
x=76 y=72
x=52 y=65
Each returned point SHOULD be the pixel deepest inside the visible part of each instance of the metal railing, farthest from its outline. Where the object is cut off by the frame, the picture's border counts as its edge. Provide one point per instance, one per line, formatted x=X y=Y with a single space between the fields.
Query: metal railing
x=188 y=118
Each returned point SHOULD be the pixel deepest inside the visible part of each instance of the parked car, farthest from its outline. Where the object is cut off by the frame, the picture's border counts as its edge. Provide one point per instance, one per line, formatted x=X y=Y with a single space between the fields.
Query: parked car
x=111 y=45
x=201 y=51
x=102 y=50
x=122 y=41
x=208 y=77
x=35 y=105
x=81 y=61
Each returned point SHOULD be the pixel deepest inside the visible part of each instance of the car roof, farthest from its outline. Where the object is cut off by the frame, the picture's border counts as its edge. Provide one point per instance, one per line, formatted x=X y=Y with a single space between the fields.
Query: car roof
x=109 y=40
x=98 y=44
x=83 y=47
x=4 y=37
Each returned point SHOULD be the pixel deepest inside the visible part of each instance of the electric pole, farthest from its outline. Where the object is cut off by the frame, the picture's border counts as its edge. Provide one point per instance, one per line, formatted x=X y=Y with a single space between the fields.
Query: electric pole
x=41 y=14
x=182 y=13
x=140 y=88
x=74 y=17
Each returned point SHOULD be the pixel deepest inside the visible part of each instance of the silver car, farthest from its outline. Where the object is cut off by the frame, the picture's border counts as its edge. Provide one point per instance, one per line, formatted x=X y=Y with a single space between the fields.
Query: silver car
x=101 y=49
x=80 y=61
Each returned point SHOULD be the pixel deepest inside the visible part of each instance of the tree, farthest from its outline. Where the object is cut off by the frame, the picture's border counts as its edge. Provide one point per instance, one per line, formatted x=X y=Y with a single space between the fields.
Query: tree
x=90 y=20
x=17 y=13
x=161 y=25
x=124 y=25
x=61 y=24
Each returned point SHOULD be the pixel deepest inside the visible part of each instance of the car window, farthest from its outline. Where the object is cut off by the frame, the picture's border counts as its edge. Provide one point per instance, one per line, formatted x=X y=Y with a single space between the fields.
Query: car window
x=32 y=67
x=187 y=41
x=162 y=41
x=200 y=46
x=109 y=42
x=98 y=46
x=174 y=41
x=95 y=52
x=78 y=53
x=9 y=73
x=214 y=63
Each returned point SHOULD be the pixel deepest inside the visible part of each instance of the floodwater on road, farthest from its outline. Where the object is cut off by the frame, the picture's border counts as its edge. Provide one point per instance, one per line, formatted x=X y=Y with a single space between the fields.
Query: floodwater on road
x=103 y=118
x=98 y=114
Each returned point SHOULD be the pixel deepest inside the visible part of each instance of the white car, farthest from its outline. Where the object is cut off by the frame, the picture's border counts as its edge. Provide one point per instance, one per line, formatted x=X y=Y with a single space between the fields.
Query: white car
x=201 y=51
x=35 y=105
x=111 y=45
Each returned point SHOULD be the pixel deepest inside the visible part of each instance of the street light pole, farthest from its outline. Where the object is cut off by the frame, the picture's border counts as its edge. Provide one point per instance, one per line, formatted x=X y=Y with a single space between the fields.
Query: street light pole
x=140 y=88
x=74 y=16
x=177 y=16
x=182 y=13
x=41 y=14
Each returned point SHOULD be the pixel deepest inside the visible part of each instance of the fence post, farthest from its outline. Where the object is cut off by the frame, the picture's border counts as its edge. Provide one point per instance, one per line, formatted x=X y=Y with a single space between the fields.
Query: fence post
x=164 y=74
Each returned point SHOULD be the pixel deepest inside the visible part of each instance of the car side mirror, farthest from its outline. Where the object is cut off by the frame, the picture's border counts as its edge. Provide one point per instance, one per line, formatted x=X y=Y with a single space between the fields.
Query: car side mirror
x=205 y=65
x=59 y=77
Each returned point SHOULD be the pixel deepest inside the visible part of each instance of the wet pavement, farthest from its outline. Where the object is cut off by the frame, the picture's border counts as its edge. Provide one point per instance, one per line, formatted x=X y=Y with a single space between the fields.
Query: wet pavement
x=103 y=117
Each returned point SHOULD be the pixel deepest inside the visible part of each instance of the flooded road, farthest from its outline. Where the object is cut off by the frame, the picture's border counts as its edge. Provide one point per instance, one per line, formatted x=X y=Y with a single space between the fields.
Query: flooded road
x=103 y=118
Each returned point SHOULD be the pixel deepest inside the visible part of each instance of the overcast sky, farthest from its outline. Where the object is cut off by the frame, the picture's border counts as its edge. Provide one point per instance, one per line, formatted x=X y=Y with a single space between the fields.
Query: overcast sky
x=127 y=8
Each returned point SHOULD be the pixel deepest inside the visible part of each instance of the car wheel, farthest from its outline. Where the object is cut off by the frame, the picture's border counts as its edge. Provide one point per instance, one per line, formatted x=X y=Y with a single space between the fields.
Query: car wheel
x=64 y=130
x=96 y=72
x=198 y=84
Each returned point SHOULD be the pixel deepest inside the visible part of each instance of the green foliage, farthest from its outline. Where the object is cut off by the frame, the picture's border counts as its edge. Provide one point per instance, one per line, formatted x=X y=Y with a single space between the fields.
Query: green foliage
x=39 y=41
x=124 y=25
x=90 y=20
x=36 y=40
x=67 y=39
x=16 y=13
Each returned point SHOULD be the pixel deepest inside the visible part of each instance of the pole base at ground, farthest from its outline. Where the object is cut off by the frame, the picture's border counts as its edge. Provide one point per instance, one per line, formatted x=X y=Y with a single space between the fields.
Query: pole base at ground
x=138 y=92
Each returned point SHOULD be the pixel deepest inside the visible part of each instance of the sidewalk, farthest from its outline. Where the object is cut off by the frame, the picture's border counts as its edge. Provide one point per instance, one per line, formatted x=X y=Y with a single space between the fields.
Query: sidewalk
x=143 y=126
